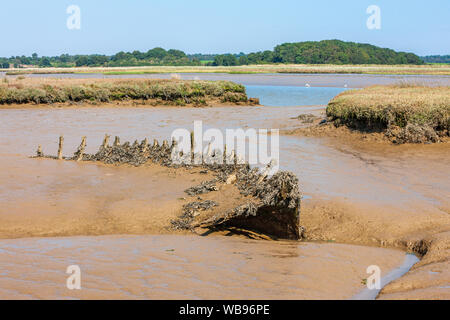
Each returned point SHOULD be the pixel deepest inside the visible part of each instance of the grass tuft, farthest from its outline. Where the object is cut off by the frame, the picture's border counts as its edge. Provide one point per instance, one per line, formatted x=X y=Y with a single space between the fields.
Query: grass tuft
x=406 y=112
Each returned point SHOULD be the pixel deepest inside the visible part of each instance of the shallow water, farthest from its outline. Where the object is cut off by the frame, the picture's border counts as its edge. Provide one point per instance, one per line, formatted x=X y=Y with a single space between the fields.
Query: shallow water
x=389 y=175
x=185 y=267
x=282 y=96
x=371 y=294
x=298 y=80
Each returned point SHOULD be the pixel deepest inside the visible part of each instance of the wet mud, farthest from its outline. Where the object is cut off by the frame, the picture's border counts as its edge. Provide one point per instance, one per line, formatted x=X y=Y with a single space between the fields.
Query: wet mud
x=355 y=192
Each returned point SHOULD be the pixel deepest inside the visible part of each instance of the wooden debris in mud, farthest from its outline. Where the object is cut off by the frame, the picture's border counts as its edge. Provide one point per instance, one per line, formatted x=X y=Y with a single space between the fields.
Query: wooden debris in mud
x=78 y=155
x=275 y=210
x=192 y=210
x=306 y=118
x=144 y=145
x=204 y=187
x=60 y=147
x=39 y=153
x=253 y=101
x=105 y=143
x=270 y=204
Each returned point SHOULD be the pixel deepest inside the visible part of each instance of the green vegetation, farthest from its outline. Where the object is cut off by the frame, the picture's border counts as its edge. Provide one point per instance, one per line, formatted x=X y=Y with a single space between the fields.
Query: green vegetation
x=321 y=52
x=153 y=57
x=405 y=112
x=311 y=52
x=32 y=91
x=427 y=69
x=42 y=71
x=437 y=59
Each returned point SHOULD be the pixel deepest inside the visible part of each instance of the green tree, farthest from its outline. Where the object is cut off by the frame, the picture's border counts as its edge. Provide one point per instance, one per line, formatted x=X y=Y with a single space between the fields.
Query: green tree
x=243 y=60
x=45 y=62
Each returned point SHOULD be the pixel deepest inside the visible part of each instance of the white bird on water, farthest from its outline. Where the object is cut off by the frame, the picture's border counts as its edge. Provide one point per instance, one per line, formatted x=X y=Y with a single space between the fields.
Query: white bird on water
x=307 y=85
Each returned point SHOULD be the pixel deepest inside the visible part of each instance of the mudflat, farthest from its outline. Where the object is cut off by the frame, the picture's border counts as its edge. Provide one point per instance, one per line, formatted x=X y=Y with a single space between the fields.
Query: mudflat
x=355 y=193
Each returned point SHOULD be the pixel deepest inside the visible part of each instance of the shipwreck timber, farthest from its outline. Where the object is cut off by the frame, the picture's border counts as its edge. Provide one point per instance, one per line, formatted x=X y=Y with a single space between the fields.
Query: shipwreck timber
x=268 y=205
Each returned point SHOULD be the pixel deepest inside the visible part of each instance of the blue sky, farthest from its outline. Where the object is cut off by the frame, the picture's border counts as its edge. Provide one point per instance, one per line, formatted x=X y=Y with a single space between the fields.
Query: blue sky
x=418 y=26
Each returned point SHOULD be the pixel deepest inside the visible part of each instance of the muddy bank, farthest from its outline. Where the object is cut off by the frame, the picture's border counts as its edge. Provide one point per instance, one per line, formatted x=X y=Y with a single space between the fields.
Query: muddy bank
x=410 y=224
x=416 y=227
x=424 y=234
x=317 y=124
x=50 y=198
x=344 y=133
x=428 y=279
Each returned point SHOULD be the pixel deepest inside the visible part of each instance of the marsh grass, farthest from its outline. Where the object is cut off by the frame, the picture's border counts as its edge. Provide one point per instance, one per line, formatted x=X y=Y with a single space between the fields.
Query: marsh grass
x=251 y=69
x=178 y=92
x=406 y=112
x=287 y=68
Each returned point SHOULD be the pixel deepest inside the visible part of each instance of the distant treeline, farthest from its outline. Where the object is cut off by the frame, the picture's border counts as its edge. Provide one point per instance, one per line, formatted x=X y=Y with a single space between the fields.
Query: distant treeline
x=436 y=59
x=311 y=52
x=153 y=57
x=322 y=52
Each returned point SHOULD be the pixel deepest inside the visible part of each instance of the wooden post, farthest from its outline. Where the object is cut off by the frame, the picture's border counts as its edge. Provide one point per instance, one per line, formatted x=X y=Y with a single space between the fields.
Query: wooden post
x=105 y=141
x=174 y=143
x=81 y=148
x=225 y=154
x=267 y=170
x=165 y=144
x=116 y=141
x=192 y=146
x=39 y=152
x=155 y=143
x=60 y=148
x=145 y=145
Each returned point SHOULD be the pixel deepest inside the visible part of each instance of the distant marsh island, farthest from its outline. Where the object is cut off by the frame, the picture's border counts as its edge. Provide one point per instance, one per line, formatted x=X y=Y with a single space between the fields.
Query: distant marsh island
x=152 y=92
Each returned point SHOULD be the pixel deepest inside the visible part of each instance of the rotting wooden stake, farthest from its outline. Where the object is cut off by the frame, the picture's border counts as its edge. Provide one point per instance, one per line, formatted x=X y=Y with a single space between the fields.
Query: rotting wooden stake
x=105 y=141
x=174 y=143
x=145 y=146
x=39 y=152
x=60 y=147
x=81 y=148
x=225 y=154
x=267 y=170
x=116 y=141
x=209 y=152
x=165 y=144
x=233 y=157
x=155 y=143
x=192 y=146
